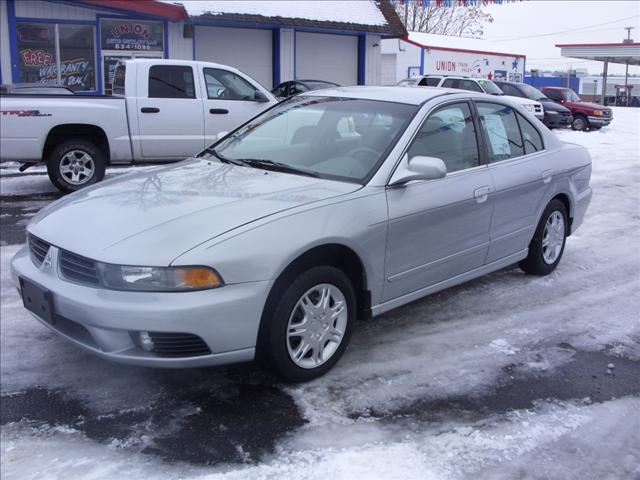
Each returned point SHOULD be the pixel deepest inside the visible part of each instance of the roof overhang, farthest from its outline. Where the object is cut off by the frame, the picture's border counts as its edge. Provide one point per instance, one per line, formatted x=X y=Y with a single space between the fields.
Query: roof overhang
x=624 y=53
x=142 y=7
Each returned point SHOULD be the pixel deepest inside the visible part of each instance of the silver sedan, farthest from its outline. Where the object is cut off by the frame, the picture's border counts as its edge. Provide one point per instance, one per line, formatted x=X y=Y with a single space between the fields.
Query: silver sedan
x=334 y=205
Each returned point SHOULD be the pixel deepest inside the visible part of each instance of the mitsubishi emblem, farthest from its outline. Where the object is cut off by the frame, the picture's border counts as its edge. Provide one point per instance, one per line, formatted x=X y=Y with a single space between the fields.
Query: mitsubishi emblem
x=46 y=263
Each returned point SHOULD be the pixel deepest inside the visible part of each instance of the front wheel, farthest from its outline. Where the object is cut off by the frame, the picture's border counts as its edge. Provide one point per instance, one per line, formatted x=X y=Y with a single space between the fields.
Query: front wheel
x=580 y=123
x=75 y=164
x=311 y=325
x=547 y=246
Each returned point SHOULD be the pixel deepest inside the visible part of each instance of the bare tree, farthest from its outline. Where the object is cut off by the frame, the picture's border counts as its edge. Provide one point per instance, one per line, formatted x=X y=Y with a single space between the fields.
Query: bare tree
x=458 y=21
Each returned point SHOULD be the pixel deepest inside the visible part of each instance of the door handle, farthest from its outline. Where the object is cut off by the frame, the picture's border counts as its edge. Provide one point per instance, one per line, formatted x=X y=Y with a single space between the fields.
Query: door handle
x=150 y=110
x=218 y=111
x=481 y=194
x=546 y=176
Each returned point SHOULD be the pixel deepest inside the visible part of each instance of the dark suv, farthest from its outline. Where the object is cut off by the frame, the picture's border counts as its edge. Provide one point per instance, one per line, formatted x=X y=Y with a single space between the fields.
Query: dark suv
x=586 y=115
x=555 y=115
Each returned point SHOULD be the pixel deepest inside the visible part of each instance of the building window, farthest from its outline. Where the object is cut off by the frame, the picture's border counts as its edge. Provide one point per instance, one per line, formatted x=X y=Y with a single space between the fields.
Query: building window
x=57 y=53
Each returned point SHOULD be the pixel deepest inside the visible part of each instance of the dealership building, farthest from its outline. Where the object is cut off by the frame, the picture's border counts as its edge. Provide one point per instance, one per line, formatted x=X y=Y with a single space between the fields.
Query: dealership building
x=430 y=54
x=78 y=42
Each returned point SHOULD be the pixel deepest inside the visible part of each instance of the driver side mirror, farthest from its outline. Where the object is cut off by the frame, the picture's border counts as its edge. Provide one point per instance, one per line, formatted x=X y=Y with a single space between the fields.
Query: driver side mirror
x=418 y=168
x=260 y=97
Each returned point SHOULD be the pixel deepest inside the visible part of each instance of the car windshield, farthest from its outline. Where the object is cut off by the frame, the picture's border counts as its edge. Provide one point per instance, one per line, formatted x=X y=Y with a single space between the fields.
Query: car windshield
x=317 y=85
x=489 y=87
x=532 y=93
x=570 y=96
x=329 y=137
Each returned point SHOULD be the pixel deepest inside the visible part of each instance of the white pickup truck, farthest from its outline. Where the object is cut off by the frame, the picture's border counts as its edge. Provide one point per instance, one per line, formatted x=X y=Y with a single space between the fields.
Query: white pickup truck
x=160 y=110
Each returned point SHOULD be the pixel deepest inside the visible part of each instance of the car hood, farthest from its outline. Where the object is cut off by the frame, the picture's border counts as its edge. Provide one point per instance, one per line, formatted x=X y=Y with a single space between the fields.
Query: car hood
x=521 y=100
x=151 y=217
x=553 y=106
x=585 y=105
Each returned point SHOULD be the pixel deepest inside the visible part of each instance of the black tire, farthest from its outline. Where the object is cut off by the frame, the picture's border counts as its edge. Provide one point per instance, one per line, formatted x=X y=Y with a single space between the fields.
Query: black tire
x=76 y=148
x=535 y=263
x=273 y=344
x=580 y=123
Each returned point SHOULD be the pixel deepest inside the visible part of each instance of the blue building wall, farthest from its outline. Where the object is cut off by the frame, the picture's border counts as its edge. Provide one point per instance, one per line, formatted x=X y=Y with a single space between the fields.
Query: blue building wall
x=539 y=82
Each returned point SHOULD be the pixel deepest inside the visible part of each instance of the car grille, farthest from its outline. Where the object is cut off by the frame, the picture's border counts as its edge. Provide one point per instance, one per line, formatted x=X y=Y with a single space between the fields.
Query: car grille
x=37 y=249
x=538 y=108
x=178 y=344
x=78 y=269
x=565 y=114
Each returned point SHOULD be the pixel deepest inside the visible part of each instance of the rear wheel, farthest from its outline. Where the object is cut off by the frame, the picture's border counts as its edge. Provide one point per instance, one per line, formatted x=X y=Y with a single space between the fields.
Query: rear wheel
x=74 y=164
x=547 y=246
x=311 y=325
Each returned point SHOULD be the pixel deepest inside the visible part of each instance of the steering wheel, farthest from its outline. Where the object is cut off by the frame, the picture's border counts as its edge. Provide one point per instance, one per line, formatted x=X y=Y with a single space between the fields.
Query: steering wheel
x=362 y=154
x=222 y=92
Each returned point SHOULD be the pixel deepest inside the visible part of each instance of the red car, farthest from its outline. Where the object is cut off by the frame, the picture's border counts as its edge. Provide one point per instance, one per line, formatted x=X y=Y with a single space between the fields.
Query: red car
x=586 y=116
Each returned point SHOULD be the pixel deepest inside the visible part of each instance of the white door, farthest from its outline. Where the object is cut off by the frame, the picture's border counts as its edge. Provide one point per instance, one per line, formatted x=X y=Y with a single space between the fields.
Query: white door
x=321 y=56
x=388 y=67
x=170 y=119
x=248 y=50
x=229 y=101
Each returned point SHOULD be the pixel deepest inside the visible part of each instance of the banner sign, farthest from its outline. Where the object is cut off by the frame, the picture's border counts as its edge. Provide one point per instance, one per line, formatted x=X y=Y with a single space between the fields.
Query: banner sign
x=132 y=35
x=469 y=64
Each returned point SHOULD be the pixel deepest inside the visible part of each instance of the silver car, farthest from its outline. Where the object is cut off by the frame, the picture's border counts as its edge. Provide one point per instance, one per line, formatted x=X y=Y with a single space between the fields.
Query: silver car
x=334 y=205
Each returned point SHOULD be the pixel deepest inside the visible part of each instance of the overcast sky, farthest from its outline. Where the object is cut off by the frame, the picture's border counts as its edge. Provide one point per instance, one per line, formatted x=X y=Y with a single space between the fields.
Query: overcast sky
x=544 y=23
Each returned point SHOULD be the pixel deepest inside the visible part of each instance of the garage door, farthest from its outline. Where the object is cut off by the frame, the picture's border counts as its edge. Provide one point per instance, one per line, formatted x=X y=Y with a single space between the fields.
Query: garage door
x=327 y=57
x=248 y=50
x=388 y=67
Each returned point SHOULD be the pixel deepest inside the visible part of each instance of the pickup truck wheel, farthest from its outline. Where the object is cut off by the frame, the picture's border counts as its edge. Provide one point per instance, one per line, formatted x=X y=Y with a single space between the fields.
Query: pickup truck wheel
x=310 y=327
x=74 y=164
x=580 y=123
x=547 y=246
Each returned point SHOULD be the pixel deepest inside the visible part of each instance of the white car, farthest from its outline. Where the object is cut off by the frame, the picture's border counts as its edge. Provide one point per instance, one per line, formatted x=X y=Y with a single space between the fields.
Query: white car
x=160 y=111
x=473 y=84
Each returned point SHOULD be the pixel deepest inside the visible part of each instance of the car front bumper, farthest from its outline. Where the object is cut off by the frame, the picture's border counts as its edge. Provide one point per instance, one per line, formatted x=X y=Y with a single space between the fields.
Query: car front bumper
x=108 y=322
x=599 y=121
x=557 y=121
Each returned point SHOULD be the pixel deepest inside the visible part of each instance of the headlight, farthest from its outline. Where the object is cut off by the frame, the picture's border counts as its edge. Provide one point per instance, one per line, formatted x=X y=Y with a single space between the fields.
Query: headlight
x=530 y=107
x=158 y=279
x=551 y=112
x=598 y=113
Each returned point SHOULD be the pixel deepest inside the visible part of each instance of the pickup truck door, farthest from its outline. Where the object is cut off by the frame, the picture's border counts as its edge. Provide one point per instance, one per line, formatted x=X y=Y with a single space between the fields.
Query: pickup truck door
x=229 y=101
x=169 y=112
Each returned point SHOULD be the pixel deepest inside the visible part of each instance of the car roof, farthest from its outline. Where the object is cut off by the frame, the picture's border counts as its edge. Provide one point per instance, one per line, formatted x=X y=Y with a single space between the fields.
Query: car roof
x=411 y=96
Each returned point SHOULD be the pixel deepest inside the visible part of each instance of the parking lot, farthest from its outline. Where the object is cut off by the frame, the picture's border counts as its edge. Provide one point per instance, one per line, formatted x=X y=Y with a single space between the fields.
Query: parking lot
x=508 y=376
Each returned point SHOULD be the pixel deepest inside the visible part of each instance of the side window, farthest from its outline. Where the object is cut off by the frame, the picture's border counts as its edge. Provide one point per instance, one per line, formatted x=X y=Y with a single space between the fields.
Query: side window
x=450 y=83
x=510 y=90
x=448 y=134
x=553 y=94
x=423 y=82
x=297 y=88
x=226 y=85
x=432 y=81
x=530 y=136
x=501 y=129
x=171 y=81
x=280 y=91
x=469 y=85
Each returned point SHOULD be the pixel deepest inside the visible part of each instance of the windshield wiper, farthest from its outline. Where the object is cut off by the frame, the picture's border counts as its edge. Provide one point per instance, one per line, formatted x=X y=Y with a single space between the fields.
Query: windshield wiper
x=277 y=166
x=212 y=151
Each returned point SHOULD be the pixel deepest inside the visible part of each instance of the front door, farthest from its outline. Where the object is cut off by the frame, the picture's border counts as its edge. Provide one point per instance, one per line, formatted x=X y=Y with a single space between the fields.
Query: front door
x=169 y=112
x=229 y=101
x=439 y=229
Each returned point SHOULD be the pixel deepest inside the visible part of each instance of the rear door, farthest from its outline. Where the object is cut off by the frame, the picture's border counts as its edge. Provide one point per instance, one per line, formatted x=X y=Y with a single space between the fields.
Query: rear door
x=521 y=173
x=170 y=118
x=229 y=101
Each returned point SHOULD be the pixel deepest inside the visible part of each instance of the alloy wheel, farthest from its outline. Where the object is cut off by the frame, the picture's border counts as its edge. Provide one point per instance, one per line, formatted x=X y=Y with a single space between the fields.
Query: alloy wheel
x=77 y=167
x=553 y=237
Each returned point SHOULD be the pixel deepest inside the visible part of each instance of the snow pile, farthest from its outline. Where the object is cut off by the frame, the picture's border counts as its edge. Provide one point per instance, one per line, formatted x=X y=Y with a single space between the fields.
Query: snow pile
x=360 y=12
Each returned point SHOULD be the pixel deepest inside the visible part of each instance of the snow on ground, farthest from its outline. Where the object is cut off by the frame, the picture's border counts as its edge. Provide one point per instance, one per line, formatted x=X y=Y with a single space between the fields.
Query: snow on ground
x=388 y=410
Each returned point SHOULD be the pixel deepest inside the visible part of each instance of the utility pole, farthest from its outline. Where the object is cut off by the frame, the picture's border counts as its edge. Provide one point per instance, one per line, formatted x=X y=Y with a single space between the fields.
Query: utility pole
x=626 y=68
